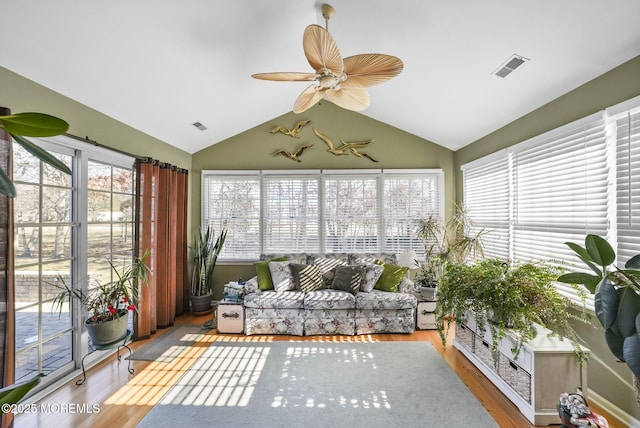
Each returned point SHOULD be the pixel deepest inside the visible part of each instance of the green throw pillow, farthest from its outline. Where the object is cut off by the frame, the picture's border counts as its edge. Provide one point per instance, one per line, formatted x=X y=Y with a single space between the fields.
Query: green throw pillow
x=265 y=282
x=391 y=277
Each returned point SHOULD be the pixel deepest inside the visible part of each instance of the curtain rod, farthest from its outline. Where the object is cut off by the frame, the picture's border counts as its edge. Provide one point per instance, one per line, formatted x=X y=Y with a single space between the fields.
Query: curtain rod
x=140 y=158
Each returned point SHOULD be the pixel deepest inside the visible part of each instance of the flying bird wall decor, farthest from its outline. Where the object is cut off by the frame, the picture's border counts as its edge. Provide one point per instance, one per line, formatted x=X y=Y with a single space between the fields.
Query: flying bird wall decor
x=291 y=132
x=346 y=147
x=341 y=81
x=293 y=156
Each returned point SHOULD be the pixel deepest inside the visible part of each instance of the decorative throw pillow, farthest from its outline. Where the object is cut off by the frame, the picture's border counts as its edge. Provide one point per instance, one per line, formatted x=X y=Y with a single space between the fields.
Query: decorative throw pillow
x=265 y=282
x=391 y=277
x=348 y=278
x=370 y=275
x=281 y=276
x=306 y=277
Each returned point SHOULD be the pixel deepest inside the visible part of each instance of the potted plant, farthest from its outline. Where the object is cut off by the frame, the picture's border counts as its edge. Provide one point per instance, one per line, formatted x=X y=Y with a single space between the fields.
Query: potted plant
x=514 y=297
x=206 y=250
x=616 y=296
x=450 y=242
x=108 y=303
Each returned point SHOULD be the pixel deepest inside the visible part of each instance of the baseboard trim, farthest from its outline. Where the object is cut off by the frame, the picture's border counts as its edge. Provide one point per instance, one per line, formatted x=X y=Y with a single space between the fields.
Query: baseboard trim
x=622 y=417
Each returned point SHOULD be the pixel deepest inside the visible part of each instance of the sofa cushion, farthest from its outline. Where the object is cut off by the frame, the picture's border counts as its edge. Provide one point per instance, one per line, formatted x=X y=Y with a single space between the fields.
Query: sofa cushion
x=379 y=299
x=329 y=299
x=370 y=276
x=265 y=282
x=391 y=277
x=306 y=277
x=273 y=300
x=328 y=261
x=348 y=278
x=282 y=276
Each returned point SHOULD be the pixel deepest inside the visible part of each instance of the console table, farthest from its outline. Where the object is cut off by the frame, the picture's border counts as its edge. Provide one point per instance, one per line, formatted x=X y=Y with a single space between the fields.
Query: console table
x=533 y=380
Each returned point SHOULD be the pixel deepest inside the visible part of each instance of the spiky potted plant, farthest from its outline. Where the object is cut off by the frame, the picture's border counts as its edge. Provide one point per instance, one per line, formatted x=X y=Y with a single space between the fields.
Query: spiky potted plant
x=205 y=252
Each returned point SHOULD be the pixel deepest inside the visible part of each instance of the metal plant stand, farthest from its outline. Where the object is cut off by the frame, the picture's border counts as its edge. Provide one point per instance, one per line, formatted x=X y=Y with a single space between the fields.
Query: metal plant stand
x=120 y=343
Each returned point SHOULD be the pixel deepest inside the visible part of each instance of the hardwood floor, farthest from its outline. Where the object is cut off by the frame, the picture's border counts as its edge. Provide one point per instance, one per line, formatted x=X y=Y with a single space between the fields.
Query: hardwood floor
x=122 y=400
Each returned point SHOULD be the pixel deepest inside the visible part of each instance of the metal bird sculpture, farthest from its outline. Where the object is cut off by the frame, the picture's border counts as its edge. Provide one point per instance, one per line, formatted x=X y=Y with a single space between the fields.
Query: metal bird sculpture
x=345 y=147
x=291 y=132
x=293 y=156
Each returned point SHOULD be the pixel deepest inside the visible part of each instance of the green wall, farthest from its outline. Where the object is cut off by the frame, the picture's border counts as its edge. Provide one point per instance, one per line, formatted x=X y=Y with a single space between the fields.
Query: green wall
x=608 y=378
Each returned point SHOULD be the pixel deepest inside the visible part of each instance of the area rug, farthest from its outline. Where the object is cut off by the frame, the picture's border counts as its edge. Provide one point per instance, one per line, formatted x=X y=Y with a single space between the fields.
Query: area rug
x=295 y=384
x=171 y=344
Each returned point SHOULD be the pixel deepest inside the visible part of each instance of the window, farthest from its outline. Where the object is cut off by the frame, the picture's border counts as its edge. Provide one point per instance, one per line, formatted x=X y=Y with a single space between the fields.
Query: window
x=582 y=178
x=268 y=212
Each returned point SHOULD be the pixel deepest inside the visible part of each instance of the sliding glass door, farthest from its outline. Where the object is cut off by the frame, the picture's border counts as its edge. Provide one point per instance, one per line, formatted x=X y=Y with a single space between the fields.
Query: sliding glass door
x=67 y=229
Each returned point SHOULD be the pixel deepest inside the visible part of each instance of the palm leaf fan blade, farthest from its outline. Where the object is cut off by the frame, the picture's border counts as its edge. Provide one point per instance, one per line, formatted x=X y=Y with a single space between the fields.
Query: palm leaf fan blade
x=354 y=99
x=286 y=76
x=367 y=70
x=307 y=99
x=321 y=50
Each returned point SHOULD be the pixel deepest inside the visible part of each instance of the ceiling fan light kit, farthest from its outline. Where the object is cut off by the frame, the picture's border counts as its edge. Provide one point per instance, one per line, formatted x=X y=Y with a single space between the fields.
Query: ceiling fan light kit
x=341 y=81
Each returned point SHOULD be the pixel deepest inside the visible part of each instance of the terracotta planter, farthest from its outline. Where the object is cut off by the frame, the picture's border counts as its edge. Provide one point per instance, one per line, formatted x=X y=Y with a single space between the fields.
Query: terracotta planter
x=201 y=305
x=108 y=332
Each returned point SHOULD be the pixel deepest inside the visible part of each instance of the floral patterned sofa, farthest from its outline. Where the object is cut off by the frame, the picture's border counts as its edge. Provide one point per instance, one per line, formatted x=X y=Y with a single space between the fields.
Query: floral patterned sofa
x=325 y=294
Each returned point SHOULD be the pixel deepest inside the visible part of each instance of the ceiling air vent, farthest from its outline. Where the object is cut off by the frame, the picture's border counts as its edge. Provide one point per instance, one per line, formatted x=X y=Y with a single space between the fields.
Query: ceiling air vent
x=509 y=65
x=199 y=125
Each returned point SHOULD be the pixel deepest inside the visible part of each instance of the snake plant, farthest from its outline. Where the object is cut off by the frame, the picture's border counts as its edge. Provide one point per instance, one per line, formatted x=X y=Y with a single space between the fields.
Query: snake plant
x=616 y=296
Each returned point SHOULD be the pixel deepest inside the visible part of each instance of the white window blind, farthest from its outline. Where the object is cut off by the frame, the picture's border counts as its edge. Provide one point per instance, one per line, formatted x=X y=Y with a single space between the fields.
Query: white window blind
x=407 y=199
x=233 y=202
x=487 y=199
x=560 y=191
x=291 y=220
x=351 y=213
x=369 y=211
x=628 y=185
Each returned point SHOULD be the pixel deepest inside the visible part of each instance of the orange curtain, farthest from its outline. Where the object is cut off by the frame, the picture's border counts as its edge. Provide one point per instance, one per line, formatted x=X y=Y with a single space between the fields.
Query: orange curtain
x=161 y=227
x=7 y=306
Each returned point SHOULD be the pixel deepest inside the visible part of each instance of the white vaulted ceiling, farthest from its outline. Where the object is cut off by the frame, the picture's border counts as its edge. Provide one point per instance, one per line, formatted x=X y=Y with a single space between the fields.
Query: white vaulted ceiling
x=159 y=65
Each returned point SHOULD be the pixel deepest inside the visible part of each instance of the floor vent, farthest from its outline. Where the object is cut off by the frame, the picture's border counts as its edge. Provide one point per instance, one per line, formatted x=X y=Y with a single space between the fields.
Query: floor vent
x=509 y=65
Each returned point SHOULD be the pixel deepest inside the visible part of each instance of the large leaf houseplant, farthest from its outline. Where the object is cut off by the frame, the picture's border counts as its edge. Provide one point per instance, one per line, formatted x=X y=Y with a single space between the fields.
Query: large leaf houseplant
x=616 y=296
x=205 y=252
x=23 y=125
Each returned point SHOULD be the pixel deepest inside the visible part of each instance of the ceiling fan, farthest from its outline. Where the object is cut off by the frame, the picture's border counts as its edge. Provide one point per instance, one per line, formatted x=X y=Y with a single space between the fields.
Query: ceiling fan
x=341 y=81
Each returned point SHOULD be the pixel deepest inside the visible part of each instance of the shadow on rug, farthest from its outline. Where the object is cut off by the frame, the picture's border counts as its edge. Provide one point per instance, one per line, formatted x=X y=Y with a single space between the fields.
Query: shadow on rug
x=171 y=344
x=321 y=385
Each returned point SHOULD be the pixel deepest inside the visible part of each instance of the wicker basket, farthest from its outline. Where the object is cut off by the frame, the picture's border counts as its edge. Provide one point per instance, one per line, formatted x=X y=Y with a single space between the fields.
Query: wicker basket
x=465 y=336
x=515 y=376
